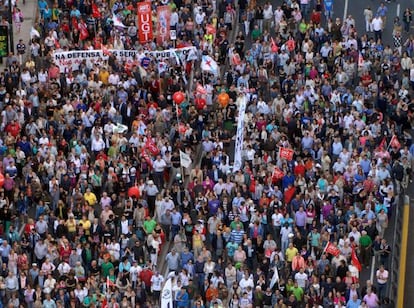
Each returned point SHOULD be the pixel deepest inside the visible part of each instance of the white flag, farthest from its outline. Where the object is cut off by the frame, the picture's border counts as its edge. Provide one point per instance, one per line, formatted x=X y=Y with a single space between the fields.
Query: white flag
x=162 y=67
x=119 y=128
x=275 y=277
x=185 y=159
x=209 y=65
x=117 y=21
x=167 y=295
x=192 y=54
x=238 y=148
x=34 y=33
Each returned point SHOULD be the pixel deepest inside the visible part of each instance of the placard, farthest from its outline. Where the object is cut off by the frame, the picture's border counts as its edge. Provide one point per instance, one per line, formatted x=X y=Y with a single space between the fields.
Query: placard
x=144 y=22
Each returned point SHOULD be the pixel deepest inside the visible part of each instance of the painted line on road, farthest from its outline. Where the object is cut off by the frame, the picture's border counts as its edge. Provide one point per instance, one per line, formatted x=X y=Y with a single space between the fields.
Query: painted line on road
x=398 y=10
x=372 y=269
x=403 y=255
x=345 y=10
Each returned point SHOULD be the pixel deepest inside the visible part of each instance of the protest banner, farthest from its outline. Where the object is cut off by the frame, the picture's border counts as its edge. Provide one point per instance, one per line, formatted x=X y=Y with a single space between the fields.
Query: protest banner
x=144 y=22
x=71 y=60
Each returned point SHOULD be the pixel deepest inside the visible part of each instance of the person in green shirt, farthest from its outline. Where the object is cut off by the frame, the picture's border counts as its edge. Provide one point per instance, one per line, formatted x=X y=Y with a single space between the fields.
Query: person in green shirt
x=297 y=292
x=106 y=267
x=303 y=27
x=236 y=222
x=365 y=243
x=256 y=33
x=149 y=225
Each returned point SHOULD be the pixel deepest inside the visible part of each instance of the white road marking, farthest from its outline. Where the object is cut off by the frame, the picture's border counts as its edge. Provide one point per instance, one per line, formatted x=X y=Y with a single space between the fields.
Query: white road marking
x=398 y=9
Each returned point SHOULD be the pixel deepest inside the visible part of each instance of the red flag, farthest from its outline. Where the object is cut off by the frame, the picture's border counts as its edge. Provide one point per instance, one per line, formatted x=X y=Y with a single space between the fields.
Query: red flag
x=95 y=11
x=145 y=156
x=277 y=174
x=74 y=23
x=109 y=283
x=105 y=50
x=105 y=303
x=83 y=30
x=382 y=143
x=360 y=60
x=210 y=29
x=163 y=25
x=144 y=22
x=290 y=44
x=354 y=260
x=395 y=143
x=151 y=146
x=286 y=153
x=273 y=46
x=236 y=58
x=200 y=89
x=332 y=249
x=252 y=187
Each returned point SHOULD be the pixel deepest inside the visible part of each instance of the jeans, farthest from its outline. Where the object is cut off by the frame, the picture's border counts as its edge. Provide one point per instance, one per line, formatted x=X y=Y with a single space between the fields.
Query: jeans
x=382 y=289
x=285 y=245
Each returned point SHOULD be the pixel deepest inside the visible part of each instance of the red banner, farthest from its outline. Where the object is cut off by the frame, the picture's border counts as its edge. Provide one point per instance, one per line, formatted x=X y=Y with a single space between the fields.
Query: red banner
x=394 y=143
x=277 y=175
x=152 y=147
x=210 y=29
x=354 y=260
x=146 y=157
x=163 y=25
x=332 y=249
x=200 y=89
x=144 y=22
x=286 y=153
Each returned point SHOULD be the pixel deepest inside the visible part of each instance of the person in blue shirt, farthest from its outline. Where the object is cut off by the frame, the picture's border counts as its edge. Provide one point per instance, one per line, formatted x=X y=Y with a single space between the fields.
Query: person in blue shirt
x=289 y=178
x=186 y=256
x=328 y=4
x=231 y=248
x=182 y=298
x=354 y=302
x=42 y=7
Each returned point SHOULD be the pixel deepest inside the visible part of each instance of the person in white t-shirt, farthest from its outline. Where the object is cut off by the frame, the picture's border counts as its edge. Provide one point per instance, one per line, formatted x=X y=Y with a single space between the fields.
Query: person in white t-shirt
x=134 y=273
x=156 y=286
x=267 y=16
x=159 y=166
x=382 y=280
x=277 y=218
x=301 y=278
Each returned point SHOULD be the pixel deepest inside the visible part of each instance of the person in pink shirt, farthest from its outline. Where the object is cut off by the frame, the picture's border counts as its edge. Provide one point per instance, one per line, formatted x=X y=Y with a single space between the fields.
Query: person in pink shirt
x=371 y=299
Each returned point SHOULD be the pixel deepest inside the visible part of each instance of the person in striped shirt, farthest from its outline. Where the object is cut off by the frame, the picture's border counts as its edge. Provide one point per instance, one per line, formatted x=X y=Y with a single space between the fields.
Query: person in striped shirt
x=237 y=235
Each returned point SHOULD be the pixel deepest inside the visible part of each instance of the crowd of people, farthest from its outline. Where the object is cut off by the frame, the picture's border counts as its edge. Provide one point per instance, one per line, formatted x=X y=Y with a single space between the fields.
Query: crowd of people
x=99 y=204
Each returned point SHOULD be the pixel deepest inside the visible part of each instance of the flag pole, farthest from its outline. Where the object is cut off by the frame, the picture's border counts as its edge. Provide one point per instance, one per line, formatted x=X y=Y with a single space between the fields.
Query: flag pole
x=326 y=246
x=389 y=144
